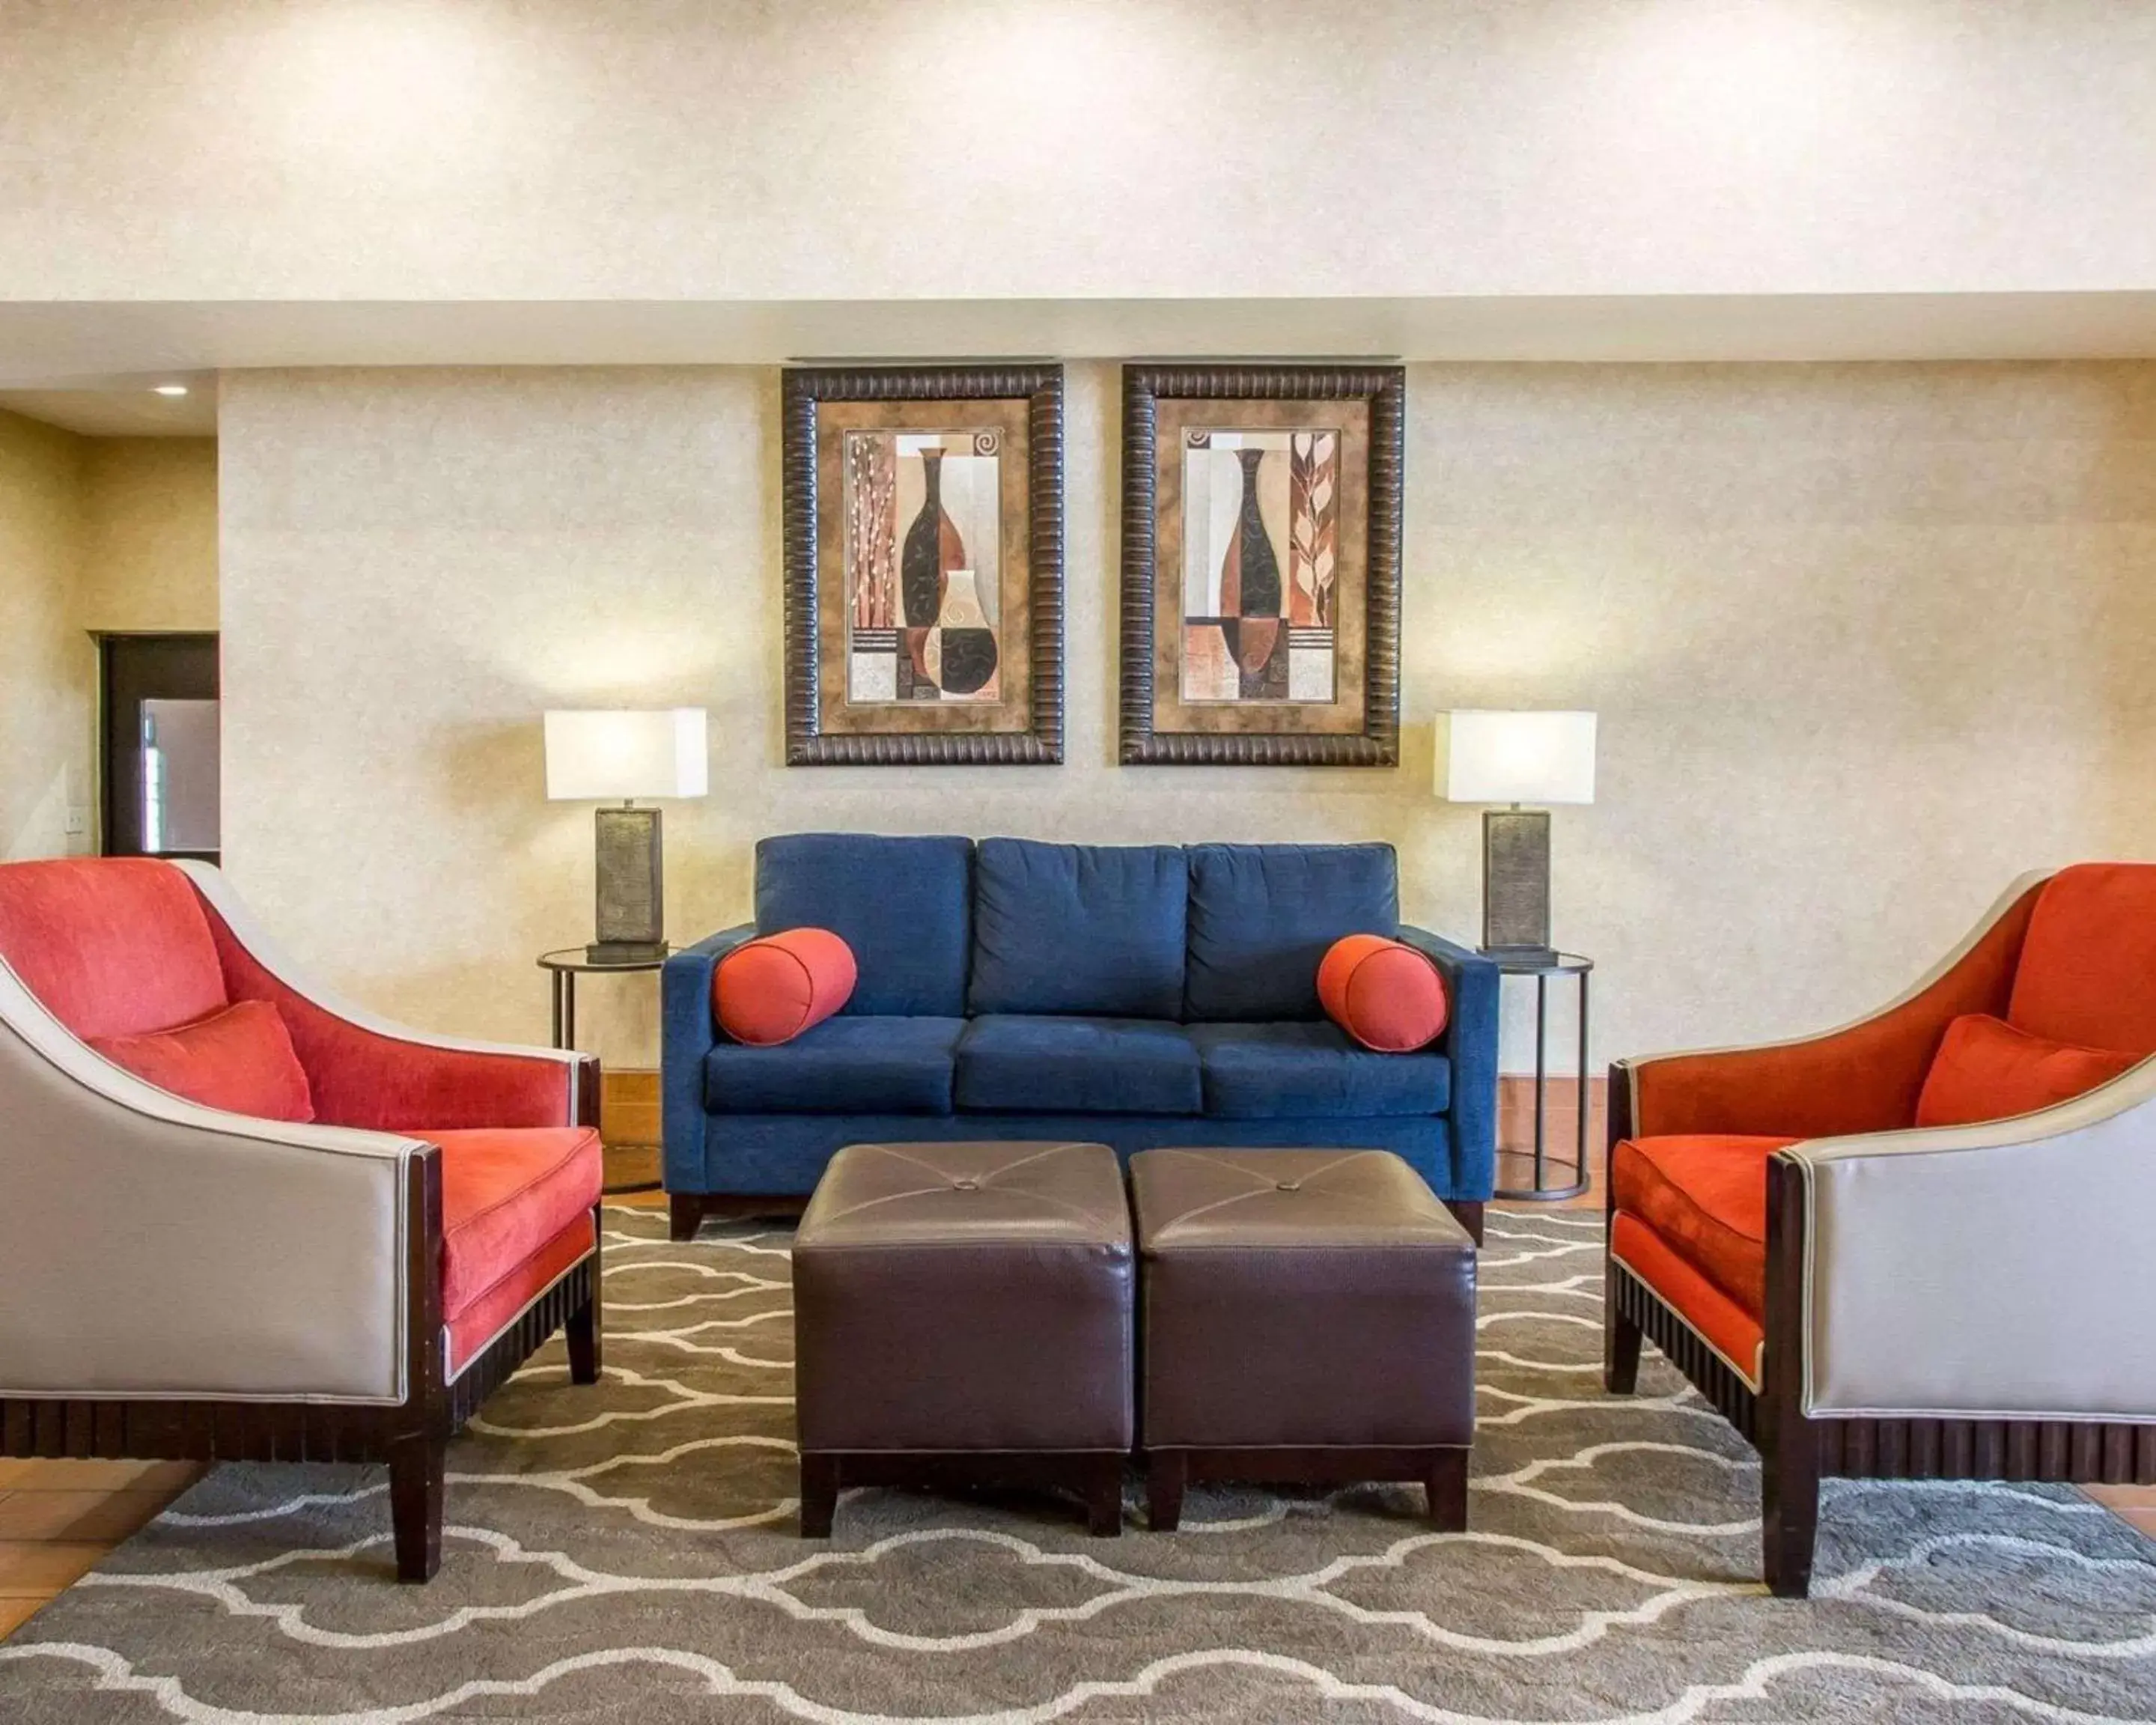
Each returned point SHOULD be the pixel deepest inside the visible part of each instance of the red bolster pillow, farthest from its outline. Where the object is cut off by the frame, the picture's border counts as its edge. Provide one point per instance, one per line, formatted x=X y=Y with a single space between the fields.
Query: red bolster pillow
x=240 y=1060
x=1987 y=1070
x=770 y=989
x=1383 y=992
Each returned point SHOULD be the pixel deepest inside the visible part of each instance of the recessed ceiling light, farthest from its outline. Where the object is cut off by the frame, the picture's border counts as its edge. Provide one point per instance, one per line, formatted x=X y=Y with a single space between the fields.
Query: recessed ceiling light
x=170 y=388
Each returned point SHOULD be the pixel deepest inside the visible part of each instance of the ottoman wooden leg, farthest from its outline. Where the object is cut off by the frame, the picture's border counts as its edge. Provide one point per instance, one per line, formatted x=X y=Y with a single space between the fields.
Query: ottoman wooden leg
x=1446 y=1488
x=819 y=1494
x=1168 y=1471
x=1104 y=1497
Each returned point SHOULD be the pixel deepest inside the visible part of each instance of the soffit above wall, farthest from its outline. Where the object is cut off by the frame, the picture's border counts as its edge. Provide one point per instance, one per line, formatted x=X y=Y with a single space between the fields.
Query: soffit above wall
x=126 y=346
x=127 y=408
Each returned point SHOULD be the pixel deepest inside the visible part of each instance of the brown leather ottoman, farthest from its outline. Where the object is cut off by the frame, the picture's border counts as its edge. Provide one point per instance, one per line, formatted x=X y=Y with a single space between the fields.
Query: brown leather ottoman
x=962 y=1316
x=1305 y=1316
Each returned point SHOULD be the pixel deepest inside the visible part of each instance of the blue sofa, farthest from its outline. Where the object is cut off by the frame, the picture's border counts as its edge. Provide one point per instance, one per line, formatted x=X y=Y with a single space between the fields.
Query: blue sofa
x=1134 y=996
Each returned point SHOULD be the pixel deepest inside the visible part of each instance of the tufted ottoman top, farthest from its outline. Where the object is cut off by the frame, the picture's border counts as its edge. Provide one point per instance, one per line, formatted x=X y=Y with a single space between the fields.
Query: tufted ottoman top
x=1264 y=1199
x=927 y=1194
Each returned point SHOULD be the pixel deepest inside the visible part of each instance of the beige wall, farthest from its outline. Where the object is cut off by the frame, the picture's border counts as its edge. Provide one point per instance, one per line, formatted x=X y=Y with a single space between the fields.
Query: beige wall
x=149 y=554
x=47 y=670
x=1867 y=641
x=1061 y=149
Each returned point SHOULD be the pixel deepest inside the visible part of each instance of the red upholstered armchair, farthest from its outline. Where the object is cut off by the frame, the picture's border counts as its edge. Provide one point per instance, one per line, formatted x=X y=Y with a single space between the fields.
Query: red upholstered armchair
x=240 y=1220
x=1919 y=1246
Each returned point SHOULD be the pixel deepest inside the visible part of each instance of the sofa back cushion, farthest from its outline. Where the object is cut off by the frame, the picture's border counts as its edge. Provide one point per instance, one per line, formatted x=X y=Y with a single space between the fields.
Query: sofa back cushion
x=1262 y=916
x=2087 y=971
x=903 y=905
x=239 y=1060
x=1089 y=929
x=111 y=945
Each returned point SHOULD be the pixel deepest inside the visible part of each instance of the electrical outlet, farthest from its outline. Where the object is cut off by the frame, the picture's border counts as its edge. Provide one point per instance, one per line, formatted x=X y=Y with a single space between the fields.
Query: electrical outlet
x=78 y=822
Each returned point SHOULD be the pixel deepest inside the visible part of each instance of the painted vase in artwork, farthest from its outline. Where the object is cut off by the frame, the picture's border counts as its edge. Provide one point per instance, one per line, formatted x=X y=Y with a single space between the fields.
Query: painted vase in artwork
x=967 y=646
x=1251 y=577
x=933 y=550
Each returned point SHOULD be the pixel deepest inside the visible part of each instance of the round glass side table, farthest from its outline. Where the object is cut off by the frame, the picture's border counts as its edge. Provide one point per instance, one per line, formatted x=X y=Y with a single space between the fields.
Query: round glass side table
x=1549 y=1178
x=563 y=966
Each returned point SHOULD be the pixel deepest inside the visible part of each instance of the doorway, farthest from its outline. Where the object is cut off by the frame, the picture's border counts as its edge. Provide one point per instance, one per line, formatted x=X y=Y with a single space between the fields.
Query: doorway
x=159 y=745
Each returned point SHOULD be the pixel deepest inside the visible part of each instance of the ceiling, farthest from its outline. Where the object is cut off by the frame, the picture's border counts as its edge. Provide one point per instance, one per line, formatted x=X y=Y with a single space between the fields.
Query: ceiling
x=90 y=366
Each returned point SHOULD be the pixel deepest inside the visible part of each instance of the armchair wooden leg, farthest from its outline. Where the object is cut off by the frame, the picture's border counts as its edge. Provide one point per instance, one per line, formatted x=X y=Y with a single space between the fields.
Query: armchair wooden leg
x=582 y=1333
x=685 y=1215
x=1789 y=1510
x=1468 y=1213
x=416 y=1470
x=1621 y=1342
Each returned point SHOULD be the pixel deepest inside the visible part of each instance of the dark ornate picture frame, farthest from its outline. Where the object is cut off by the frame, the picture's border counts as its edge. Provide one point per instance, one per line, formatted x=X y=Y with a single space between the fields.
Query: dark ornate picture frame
x=1264 y=733
x=818 y=731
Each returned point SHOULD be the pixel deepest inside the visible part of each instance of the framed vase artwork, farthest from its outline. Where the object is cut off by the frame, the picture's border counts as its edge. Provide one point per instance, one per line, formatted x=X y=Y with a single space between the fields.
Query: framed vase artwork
x=1261 y=565
x=924 y=565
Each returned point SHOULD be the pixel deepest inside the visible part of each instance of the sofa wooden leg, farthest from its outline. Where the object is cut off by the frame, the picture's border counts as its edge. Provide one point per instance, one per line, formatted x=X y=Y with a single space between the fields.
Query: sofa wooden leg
x=1445 y=1488
x=1168 y=1471
x=1468 y=1211
x=1104 y=1497
x=416 y=1470
x=685 y=1215
x=1621 y=1340
x=819 y=1494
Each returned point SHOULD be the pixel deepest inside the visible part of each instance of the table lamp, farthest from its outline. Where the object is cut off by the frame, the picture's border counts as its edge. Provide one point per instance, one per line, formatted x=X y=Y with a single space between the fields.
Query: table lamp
x=1515 y=759
x=600 y=755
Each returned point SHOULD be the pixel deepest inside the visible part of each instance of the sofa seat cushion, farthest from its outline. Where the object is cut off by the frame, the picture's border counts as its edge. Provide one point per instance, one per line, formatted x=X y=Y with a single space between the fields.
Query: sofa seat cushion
x=1024 y=1064
x=844 y=1065
x=505 y=1195
x=1704 y=1196
x=1312 y=1070
x=487 y=1315
x=1096 y=929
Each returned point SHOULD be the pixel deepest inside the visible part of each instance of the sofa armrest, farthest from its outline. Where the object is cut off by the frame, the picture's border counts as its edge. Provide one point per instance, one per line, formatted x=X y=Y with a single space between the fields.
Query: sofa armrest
x=1471 y=1043
x=687 y=1033
x=1863 y=1077
x=369 y=1073
x=1997 y=1270
x=157 y=1248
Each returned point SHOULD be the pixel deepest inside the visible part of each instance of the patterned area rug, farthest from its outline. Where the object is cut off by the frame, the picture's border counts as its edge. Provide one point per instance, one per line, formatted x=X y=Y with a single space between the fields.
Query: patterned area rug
x=627 y=1553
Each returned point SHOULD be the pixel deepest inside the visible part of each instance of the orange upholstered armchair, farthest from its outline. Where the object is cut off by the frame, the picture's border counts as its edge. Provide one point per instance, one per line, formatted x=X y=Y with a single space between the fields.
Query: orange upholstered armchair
x=1917 y=1246
x=241 y=1221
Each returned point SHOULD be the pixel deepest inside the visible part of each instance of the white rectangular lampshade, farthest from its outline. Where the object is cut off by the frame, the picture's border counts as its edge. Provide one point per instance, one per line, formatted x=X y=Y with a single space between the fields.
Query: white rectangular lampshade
x=597 y=756
x=1517 y=757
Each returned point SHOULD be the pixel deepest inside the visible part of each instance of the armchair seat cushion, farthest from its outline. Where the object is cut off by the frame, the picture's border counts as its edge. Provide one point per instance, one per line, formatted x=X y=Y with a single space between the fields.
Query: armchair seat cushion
x=844 y=1065
x=1310 y=1069
x=1028 y=1065
x=506 y=1195
x=1704 y=1195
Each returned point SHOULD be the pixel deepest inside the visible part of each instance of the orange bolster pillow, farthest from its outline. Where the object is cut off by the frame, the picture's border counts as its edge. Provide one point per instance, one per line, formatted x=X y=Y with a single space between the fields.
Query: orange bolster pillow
x=770 y=989
x=1383 y=992
x=1987 y=1068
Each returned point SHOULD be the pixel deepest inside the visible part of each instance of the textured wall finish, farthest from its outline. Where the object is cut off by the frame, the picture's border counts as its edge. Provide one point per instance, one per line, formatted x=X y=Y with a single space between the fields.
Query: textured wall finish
x=150 y=557
x=744 y=149
x=1867 y=641
x=47 y=669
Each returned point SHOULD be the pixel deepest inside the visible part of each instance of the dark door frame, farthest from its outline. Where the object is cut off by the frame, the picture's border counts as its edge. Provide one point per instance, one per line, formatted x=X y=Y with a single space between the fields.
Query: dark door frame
x=132 y=668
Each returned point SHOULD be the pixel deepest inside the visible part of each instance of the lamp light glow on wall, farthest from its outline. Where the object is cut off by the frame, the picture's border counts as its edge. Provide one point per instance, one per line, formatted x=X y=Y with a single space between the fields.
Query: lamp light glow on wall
x=1516 y=758
x=593 y=757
